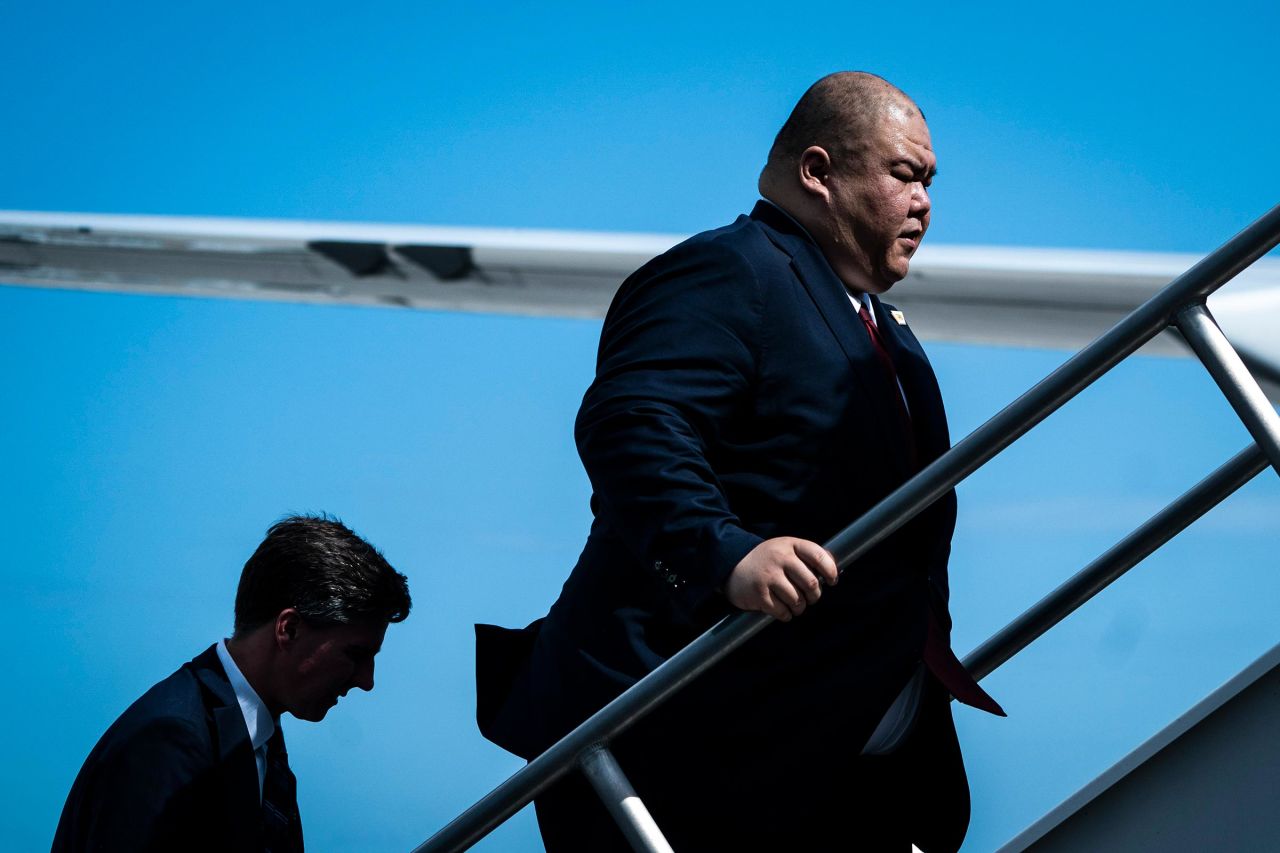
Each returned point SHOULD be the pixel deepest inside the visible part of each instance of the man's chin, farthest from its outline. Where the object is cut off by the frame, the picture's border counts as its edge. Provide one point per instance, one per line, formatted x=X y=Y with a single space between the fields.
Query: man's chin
x=882 y=283
x=892 y=274
x=312 y=715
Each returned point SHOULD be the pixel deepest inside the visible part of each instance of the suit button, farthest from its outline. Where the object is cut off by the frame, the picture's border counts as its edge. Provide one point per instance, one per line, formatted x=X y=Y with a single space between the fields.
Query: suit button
x=673 y=580
x=659 y=567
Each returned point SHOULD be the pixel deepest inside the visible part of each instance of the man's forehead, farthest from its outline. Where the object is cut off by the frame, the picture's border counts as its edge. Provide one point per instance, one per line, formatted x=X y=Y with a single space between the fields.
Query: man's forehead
x=365 y=634
x=904 y=129
x=901 y=107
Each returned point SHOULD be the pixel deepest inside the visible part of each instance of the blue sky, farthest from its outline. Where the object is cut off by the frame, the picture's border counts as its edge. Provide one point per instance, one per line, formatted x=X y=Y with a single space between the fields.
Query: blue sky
x=148 y=441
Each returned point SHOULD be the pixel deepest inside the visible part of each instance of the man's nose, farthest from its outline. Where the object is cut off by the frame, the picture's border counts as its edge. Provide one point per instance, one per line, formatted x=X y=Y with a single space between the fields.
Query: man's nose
x=364 y=677
x=920 y=203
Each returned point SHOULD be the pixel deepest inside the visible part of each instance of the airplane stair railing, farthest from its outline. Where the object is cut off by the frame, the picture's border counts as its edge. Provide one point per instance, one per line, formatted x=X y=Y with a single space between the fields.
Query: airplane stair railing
x=1181 y=305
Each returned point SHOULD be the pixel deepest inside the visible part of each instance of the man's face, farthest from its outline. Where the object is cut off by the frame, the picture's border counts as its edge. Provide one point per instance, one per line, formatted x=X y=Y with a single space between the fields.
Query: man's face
x=327 y=661
x=878 y=209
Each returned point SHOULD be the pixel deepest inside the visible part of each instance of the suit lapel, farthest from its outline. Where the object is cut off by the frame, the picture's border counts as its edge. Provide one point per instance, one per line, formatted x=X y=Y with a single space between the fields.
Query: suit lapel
x=237 y=767
x=832 y=301
x=928 y=417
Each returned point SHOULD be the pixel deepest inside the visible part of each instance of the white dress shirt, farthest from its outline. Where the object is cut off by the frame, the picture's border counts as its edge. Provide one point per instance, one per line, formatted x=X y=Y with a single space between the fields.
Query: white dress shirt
x=257 y=719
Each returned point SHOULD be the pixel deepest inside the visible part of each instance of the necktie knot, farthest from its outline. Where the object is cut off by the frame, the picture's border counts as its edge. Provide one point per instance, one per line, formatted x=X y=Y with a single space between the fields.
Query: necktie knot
x=282 y=826
x=275 y=744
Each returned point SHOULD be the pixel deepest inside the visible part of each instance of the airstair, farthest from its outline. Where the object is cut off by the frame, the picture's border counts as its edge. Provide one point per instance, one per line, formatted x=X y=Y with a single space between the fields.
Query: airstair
x=1206 y=782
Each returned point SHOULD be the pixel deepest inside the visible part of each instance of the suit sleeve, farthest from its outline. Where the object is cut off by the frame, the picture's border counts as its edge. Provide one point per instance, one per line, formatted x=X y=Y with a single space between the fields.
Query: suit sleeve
x=677 y=365
x=148 y=790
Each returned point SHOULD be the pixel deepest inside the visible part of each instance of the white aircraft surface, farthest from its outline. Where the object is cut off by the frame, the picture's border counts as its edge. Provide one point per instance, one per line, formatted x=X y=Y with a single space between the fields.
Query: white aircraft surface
x=1055 y=298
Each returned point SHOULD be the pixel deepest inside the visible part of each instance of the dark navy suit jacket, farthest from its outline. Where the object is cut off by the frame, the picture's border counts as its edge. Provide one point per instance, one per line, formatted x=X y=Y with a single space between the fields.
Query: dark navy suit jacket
x=737 y=397
x=175 y=772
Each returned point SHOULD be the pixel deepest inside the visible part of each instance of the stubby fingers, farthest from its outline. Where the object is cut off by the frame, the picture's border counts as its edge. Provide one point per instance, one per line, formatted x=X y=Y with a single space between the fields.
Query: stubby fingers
x=775 y=608
x=804 y=581
x=818 y=560
x=785 y=592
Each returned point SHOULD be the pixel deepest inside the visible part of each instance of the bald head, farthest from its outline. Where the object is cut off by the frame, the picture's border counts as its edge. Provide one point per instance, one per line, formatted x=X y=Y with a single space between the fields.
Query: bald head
x=853 y=165
x=839 y=113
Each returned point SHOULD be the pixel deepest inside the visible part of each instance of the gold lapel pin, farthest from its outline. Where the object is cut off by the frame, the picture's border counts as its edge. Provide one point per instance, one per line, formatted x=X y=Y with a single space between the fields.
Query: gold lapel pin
x=899 y=317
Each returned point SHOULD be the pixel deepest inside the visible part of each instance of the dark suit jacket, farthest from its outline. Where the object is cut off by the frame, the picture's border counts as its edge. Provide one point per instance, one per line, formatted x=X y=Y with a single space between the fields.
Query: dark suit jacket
x=175 y=772
x=737 y=397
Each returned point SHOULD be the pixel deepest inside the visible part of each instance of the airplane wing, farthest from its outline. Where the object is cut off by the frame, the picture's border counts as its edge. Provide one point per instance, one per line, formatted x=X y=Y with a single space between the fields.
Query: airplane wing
x=1055 y=298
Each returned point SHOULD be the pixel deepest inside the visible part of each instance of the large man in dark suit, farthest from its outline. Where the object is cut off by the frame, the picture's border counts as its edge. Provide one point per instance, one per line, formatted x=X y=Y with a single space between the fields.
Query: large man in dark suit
x=198 y=763
x=752 y=397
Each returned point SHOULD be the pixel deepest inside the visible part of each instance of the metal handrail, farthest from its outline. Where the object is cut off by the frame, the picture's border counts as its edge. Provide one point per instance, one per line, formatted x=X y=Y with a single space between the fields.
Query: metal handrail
x=942 y=475
x=1121 y=557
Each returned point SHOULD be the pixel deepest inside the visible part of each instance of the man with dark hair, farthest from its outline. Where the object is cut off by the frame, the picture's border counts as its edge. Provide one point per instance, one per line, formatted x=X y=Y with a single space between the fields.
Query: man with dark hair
x=199 y=762
x=752 y=397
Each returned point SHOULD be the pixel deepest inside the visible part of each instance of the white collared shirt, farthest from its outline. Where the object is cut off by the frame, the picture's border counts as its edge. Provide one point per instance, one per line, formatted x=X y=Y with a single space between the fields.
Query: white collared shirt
x=257 y=719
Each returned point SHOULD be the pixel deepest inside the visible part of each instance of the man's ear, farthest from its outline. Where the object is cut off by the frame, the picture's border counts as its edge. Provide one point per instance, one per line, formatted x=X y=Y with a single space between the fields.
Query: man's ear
x=286 y=627
x=814 y=171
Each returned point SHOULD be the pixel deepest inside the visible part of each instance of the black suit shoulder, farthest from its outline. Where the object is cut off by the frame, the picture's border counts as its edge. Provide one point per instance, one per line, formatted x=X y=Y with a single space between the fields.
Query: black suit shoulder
x=715 y=270
x=155 y=780
x=678 y=363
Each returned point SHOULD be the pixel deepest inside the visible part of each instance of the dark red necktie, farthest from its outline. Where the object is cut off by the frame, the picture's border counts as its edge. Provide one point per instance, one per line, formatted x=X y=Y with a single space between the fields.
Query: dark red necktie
x=891 y=372
x=942 y=662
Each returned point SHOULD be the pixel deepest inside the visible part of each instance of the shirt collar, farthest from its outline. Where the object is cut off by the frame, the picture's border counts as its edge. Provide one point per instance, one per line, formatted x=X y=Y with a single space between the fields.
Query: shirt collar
x=257 y=719
x=863 y=300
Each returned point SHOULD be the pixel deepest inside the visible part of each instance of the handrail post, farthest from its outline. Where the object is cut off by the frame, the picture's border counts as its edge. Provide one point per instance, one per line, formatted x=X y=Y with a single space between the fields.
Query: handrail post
x=1237 y=383
x=626 y=807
